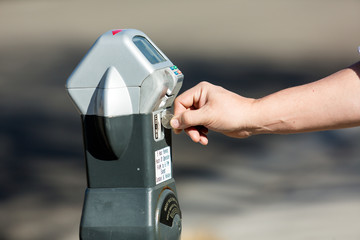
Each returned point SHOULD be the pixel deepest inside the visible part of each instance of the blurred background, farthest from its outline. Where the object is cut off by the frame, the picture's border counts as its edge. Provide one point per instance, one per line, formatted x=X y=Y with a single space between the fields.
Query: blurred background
x=304 y=186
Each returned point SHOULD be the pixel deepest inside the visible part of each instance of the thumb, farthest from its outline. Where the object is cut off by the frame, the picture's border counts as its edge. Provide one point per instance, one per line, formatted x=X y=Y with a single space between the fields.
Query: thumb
x=189 y=118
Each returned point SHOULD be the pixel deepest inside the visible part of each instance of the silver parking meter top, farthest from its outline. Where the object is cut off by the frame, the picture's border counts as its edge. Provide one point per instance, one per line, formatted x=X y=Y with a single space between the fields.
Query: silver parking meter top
x=124 y=73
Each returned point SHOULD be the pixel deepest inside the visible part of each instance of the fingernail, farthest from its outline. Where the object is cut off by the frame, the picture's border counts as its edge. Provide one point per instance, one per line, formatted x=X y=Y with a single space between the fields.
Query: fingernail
x=175 y=123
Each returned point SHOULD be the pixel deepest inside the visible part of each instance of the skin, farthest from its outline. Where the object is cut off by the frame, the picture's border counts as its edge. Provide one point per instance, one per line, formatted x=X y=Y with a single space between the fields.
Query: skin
x=329 y=103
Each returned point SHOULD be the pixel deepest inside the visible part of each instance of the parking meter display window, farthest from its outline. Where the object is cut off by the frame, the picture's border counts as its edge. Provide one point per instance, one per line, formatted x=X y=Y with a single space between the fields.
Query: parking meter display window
x=148 y=50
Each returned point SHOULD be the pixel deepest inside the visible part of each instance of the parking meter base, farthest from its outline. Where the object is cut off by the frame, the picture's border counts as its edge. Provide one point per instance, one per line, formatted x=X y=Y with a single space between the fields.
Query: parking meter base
x=131 y=213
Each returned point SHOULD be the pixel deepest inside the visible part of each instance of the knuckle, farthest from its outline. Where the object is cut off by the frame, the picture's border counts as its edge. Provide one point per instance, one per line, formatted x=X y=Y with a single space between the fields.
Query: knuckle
x=186 y=118
x=204 y=84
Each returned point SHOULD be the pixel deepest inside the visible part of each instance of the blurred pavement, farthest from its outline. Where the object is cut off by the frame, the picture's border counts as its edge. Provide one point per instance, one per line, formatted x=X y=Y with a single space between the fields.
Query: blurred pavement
x=304 y=186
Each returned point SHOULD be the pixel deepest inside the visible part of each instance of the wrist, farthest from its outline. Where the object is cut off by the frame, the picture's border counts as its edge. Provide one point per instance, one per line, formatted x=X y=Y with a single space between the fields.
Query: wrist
x=249 y=118
x=260 y=121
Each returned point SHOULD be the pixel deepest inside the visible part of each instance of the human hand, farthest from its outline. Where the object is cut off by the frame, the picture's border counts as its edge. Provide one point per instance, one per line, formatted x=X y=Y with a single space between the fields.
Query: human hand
x=207 y=106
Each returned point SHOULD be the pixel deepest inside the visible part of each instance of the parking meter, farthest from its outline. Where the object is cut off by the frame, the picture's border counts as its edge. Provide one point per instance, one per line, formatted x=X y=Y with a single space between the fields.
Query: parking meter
x=122 y=88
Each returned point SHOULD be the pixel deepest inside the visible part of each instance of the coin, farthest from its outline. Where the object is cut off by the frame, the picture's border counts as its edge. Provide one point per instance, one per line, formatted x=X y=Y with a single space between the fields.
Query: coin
x=165 y=120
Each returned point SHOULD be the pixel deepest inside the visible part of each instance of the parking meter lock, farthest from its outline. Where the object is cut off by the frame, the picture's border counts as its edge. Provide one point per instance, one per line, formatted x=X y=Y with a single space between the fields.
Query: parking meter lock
x=123 y=88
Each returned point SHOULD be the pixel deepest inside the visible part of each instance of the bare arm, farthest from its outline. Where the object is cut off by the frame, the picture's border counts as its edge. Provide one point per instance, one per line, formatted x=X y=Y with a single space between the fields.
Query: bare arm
x=330 y=103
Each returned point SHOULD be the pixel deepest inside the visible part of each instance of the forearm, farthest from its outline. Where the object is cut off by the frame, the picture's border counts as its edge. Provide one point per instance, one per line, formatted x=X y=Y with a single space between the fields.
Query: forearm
x=330 y=103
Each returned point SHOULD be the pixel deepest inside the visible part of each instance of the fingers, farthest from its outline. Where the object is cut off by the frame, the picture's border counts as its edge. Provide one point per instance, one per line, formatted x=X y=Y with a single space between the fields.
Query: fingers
x=177 y=131
x=198 y=134
x=190 y=118
x=188 y=107
x=190 y=113
x=187 y=100
x=192 y=98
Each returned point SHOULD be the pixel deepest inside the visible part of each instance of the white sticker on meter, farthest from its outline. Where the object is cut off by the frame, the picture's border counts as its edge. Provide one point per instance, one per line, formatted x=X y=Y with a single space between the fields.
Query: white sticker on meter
x=162 y=165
